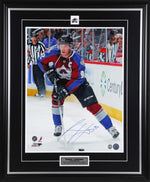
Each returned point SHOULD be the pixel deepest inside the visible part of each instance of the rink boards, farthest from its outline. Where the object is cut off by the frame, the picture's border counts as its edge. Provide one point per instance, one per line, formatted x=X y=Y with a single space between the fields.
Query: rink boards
x=105 y=78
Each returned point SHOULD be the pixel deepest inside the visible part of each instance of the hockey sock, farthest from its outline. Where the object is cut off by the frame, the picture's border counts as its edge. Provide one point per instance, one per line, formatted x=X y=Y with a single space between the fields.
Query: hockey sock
x=56 y=115
x=106 y=121
x=97 y=110
x=56 y=111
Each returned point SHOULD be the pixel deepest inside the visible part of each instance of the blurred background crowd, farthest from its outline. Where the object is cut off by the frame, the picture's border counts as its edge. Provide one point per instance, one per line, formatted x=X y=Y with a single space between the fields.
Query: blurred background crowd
x=98 y=45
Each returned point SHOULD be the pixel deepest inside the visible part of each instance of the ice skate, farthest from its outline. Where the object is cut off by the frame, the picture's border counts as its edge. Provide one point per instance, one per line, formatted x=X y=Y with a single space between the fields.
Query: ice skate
x=112 y=130
x=58 y=130
x=36 y=95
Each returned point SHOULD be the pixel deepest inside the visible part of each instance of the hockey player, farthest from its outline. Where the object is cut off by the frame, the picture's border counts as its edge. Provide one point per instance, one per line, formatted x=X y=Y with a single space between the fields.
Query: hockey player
x=67 y=68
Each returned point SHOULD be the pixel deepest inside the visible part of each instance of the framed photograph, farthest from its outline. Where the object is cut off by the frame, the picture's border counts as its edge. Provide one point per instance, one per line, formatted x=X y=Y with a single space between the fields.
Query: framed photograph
x=75 y=91
x=79 y=131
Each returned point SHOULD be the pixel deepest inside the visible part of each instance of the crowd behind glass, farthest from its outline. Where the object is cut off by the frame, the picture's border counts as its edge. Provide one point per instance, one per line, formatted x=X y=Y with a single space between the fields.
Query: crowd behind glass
x=98 y=45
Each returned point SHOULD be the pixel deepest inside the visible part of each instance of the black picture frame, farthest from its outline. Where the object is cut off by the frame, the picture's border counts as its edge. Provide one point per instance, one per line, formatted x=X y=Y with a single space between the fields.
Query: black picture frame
x=137 y=97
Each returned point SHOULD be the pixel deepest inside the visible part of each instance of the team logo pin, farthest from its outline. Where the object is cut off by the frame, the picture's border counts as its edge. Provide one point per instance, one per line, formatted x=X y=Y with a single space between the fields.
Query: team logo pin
x=74 y=20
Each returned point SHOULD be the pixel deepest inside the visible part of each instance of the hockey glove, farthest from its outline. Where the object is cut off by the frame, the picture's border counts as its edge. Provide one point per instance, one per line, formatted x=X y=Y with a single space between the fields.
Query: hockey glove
x=61 y=94
x=52 y=75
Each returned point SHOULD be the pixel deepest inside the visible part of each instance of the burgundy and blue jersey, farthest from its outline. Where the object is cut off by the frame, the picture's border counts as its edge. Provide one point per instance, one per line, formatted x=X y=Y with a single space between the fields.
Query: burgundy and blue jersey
x=71 y=69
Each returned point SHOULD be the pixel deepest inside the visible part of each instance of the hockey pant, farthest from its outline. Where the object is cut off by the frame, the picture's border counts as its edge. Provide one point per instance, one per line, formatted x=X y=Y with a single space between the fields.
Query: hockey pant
x=87 y=98
x=38 y=76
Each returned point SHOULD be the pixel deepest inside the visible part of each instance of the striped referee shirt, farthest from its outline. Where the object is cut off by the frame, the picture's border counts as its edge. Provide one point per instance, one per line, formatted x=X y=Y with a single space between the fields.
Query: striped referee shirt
x=34 y=51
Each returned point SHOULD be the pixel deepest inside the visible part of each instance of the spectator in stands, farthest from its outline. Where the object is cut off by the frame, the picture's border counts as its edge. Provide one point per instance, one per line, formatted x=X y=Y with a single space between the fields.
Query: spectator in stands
x=79 y=48
x=49 y=42
x=80 y=33
x=102 y=39
x=91 y=56
x=87 y=46
x=111 y=46
x=58 y=33
x=41 y=35
x=119 y=33
x=118 y=58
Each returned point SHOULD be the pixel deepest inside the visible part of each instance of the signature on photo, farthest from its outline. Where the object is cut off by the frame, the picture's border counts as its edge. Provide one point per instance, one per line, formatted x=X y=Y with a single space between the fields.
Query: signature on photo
x=79 y=129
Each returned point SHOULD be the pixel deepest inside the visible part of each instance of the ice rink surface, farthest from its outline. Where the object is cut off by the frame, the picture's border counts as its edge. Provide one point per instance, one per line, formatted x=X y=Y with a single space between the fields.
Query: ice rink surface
x=81 y=130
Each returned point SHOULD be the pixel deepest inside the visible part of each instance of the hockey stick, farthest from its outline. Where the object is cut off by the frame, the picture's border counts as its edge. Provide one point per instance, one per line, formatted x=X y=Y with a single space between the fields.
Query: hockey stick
x=61 y=114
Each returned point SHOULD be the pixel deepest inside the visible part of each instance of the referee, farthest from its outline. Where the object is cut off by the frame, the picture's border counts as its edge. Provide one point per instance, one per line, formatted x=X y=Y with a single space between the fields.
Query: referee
x=34 y=50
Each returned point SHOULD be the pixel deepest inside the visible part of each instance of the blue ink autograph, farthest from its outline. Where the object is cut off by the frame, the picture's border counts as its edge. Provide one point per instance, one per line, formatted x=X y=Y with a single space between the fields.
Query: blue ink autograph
x=82 y=128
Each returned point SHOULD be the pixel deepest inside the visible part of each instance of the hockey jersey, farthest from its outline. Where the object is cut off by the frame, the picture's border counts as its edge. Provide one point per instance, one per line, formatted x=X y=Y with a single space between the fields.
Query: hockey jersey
x=71 y=69
x=53 y=41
